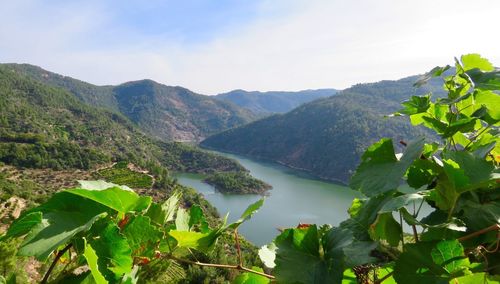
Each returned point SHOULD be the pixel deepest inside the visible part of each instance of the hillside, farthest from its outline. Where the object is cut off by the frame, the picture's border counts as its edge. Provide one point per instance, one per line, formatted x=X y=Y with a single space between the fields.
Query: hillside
x=326 y=137
x=168 y=113
x=175 y=113
x=47 y=127
x=275 y=101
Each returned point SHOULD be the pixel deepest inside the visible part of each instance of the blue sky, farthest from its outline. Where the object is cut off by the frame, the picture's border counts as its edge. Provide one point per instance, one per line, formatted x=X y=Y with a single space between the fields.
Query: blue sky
x=219 y=45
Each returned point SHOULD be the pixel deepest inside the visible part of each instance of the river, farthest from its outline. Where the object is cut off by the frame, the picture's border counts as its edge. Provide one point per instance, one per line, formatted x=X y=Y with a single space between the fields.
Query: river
x=295 y=198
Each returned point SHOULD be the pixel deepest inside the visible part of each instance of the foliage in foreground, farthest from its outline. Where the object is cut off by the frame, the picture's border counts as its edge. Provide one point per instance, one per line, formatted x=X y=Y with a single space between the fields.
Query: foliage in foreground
x=116 y=233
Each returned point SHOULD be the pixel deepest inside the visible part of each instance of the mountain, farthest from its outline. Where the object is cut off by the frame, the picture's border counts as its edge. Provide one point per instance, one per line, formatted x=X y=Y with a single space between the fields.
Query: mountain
x=43 y=126
x=175 y=113
x=326 y=137
x=263 y=103
x=165 y=112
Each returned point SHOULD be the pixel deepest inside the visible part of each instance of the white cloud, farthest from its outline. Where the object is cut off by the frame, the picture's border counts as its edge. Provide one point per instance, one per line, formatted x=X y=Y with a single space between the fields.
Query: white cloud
x=293 y=45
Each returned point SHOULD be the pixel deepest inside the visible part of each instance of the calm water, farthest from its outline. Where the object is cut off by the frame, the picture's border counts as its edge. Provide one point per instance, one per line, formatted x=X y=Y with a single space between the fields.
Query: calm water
x=295 y=198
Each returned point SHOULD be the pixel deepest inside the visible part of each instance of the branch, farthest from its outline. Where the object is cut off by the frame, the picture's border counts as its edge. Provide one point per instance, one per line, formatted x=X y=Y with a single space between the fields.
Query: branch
x=495 y=227
x=238 y=249
x=228 y=266
x=56 y=259
x=388 y=275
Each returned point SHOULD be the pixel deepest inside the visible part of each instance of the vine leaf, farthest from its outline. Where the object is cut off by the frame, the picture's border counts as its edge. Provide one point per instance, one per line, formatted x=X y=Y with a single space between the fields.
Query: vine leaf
x=380 y=171
x=474 y=60
x=113 y=251
x=298 y=258
x=401 y=201
x=251 y=278
x=450 y=255
x=415 y=266
x=92 y=261
x=165 y=212
x=386 y=228
x=115 y=198
x=63 y=216
x=247 y=214
x=142 y=236
x=195 y=240
x=23 y=225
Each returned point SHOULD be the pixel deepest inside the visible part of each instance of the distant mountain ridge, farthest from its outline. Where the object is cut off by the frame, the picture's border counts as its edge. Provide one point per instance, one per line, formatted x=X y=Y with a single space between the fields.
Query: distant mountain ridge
x=43 y=126
x=273 y=101
x=165 y=112
x=327 y=136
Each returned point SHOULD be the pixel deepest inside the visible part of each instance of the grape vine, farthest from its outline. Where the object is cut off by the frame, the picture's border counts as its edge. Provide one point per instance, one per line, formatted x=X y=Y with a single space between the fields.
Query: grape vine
x=115 y=233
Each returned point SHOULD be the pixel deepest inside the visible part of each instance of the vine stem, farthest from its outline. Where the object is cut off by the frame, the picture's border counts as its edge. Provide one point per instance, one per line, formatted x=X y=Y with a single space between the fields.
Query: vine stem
x=228 y=266
x=238 y=248
x=53 y=264
x=384 y=278
x=495 y=227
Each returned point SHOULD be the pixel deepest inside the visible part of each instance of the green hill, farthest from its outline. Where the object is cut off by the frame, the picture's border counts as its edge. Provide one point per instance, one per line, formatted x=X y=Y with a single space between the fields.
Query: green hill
x=263 y=103
x=168 y=113
x=326 y=137
x=175 y=113
x=44 y=126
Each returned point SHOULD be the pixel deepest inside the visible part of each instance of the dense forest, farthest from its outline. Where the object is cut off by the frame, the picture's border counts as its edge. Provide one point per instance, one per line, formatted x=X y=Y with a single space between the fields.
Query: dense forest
x=327 y=137
x=165 y=112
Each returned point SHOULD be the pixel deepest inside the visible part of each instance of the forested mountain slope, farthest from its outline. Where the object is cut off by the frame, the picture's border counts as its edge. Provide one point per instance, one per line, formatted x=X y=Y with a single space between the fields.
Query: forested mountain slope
x=43 y=126
x=168 y=113
x=274 y=101
x=327 y=137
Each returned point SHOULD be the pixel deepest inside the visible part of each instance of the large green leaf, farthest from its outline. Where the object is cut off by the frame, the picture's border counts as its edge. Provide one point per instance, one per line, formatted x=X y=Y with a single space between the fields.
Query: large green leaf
x=63 y=216
x=485 y=80
x=197 y=220
x=401 y=201
x=142 y=236
x=386 y=228
x=247 y=214
x=165 y=212
x=422 y=172
x=92 y=261
x=435 y=72
x=251 y=278
x=490 y=101
x=450 y=255
x=474 y=60
x=113 y=252
x=416 y=104
x=23 y=225
x=380 y=171
x=195 y=240
x=476 y=169
x=366 y=215
x=415 y=266
x=115 y=198
x=298 y=258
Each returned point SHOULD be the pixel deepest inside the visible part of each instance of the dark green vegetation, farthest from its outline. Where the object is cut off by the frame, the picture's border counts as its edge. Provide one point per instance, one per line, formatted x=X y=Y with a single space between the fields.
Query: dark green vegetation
x=50 y=136
x=168 y=113
x=237 y=182
x=120 y=235
x=263 y=103
x=458 y=177
x=327 y=137
x=43 y=126
x=122 y=175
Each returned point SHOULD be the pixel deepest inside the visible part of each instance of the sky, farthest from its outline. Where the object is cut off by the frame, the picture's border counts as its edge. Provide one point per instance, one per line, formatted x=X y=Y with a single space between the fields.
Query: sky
x=216 y=46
